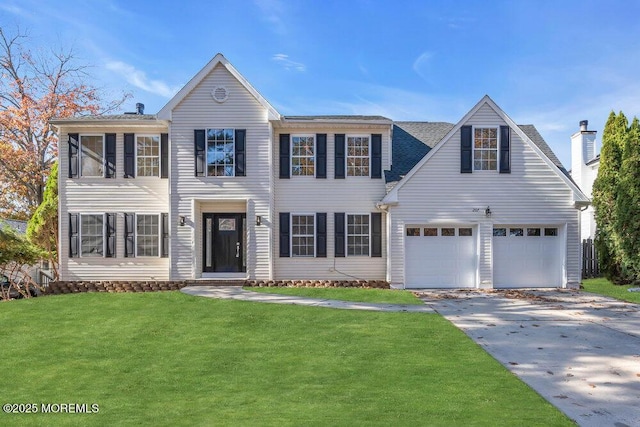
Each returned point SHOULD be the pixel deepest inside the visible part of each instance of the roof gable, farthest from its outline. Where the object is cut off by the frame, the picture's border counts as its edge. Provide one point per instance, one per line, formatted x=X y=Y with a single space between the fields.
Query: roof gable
x=528 y=134
x=165 y=112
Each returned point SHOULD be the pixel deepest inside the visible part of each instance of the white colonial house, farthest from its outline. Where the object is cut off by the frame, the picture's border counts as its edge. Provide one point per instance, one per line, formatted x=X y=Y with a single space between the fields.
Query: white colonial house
x=219 y=185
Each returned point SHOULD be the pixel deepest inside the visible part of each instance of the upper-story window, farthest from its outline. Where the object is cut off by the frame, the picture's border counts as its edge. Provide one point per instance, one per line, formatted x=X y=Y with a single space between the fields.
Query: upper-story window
x=485 y=149
x=302 y=156
x=148 y=155
x=92 y=155
x=220 y=152
x=357 y=156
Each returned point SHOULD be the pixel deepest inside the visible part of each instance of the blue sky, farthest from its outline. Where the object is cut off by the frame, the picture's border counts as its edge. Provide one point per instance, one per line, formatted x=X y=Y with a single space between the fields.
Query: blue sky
x=547 y=63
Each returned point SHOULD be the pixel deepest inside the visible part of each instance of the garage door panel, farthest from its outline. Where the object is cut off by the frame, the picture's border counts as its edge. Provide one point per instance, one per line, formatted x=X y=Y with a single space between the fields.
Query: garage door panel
x=440 y=261
x=527 y=260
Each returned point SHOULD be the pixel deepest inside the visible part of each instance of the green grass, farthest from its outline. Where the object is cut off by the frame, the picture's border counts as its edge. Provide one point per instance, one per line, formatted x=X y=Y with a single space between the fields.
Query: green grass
x=171 y=359
x=346 y=294
x=603 y=286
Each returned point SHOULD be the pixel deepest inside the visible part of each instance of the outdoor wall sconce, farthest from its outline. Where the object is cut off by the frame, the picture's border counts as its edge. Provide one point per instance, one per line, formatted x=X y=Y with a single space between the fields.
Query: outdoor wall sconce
x=258 y=220
x=487 y=212
x=182 y=220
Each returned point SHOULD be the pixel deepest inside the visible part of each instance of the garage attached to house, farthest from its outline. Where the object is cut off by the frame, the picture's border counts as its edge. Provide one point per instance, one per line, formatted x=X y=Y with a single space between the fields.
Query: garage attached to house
x=527 y=256
x=440 y=256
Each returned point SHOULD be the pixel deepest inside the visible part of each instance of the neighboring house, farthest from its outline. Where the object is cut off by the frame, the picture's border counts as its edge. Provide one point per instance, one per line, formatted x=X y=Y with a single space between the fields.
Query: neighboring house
x=18 y=226
x=219 y=185
x=584 y=170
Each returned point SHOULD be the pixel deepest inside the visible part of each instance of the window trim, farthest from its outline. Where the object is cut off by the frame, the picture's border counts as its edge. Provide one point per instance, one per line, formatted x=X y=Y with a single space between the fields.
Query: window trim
x=291 y=155
x=346 y=233
x=159 y=235
x=473 y=148
x=292 y=235
x=206 y=151
x=104 y=232
x=135 y=139
x=346 y=156
x=80 y=156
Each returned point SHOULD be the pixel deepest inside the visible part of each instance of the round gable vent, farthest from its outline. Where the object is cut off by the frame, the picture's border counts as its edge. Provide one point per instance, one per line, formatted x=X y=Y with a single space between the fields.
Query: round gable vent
x=220 y=93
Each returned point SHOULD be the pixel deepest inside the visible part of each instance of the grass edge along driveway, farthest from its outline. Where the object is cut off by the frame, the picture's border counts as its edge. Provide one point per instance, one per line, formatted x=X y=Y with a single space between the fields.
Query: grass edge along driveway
x=167 y=358
x=604 y=287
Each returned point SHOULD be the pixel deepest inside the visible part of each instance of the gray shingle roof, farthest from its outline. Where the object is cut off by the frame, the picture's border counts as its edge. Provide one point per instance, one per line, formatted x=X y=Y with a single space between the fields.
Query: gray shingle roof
x=108 y=117
x=372 y=118
x=411 y=141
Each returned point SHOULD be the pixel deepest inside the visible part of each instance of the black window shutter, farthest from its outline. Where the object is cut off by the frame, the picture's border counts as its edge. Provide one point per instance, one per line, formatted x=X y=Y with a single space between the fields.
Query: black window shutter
x=240 y=151
x=339 y=156
x=73 y=235
x=110 y=231
x=129 y=232
x=284 y=234
x=376 y=156
x=321 y=155
x=284 y=155
x=466 y=150
x=339 y=233
x=110 y=155
x=129 y=155
x=200 y=151
x=376 y=234
x=321 y=235
x=164 y=252
x=505 y=149
x=164 y=155
x=74 y=147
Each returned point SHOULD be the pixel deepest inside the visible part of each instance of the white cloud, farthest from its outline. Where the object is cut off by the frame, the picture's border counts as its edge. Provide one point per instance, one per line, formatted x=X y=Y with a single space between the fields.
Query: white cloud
x=422 y=64
x=273 y=11
x=287 y=63
x=140 y=80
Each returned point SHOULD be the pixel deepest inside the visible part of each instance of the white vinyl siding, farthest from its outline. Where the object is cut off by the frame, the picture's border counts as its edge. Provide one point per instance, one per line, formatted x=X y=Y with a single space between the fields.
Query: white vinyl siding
x=250 y=193
x=331 y=195
x=531 y=194
x=118 y=195
x=92 y=155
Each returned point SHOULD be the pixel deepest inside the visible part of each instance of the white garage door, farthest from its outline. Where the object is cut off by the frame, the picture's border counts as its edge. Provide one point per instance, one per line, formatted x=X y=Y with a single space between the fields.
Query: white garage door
x=440 y=257
x=527 y=256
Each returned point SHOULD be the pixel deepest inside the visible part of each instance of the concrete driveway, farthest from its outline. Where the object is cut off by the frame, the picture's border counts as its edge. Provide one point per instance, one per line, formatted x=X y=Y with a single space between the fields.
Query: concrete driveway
x=580 y=351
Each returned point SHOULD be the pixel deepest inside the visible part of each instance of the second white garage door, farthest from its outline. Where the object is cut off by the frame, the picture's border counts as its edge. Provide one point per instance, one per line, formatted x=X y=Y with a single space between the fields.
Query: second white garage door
x=527 y=256
x=440 y=257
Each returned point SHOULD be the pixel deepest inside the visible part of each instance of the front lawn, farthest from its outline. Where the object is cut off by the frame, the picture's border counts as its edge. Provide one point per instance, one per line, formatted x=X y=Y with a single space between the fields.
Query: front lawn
x=387 y=296
x=603 y=286
x=167 y=358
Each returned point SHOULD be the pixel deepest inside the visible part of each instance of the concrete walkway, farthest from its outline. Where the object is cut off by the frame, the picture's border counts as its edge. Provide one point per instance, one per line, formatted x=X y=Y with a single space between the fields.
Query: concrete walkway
x=580 y=351
x=237 y=293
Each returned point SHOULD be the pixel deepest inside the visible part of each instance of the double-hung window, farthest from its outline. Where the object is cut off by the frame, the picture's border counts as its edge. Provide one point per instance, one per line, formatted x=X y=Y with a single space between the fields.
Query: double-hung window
x=220 y=152
x=302 y=156
x=357 y=156
x=303 y=235
x=358 y=234
x=92 y=235
x=147 y=235
x=485 y=148
x=92 y=155
x=148 y=155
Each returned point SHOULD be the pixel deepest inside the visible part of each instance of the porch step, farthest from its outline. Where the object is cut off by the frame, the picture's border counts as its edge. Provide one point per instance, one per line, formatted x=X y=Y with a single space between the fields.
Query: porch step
x=216 y=282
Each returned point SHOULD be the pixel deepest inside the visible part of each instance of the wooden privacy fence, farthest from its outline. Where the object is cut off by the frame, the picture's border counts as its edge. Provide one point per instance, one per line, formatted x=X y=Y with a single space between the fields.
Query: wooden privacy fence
x=589 y=259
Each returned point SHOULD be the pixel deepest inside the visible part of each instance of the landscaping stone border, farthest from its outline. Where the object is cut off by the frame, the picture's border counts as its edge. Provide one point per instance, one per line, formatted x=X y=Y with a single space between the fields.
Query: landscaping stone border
x=73 y=287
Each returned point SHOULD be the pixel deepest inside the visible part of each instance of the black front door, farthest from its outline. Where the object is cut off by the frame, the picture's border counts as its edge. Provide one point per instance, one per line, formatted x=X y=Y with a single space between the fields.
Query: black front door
x=223 y=242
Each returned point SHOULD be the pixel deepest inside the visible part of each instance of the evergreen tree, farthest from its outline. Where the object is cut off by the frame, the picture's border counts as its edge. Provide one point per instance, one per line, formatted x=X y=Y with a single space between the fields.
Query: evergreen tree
x=42 y=229
x=605 y=190
x=627 y=217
